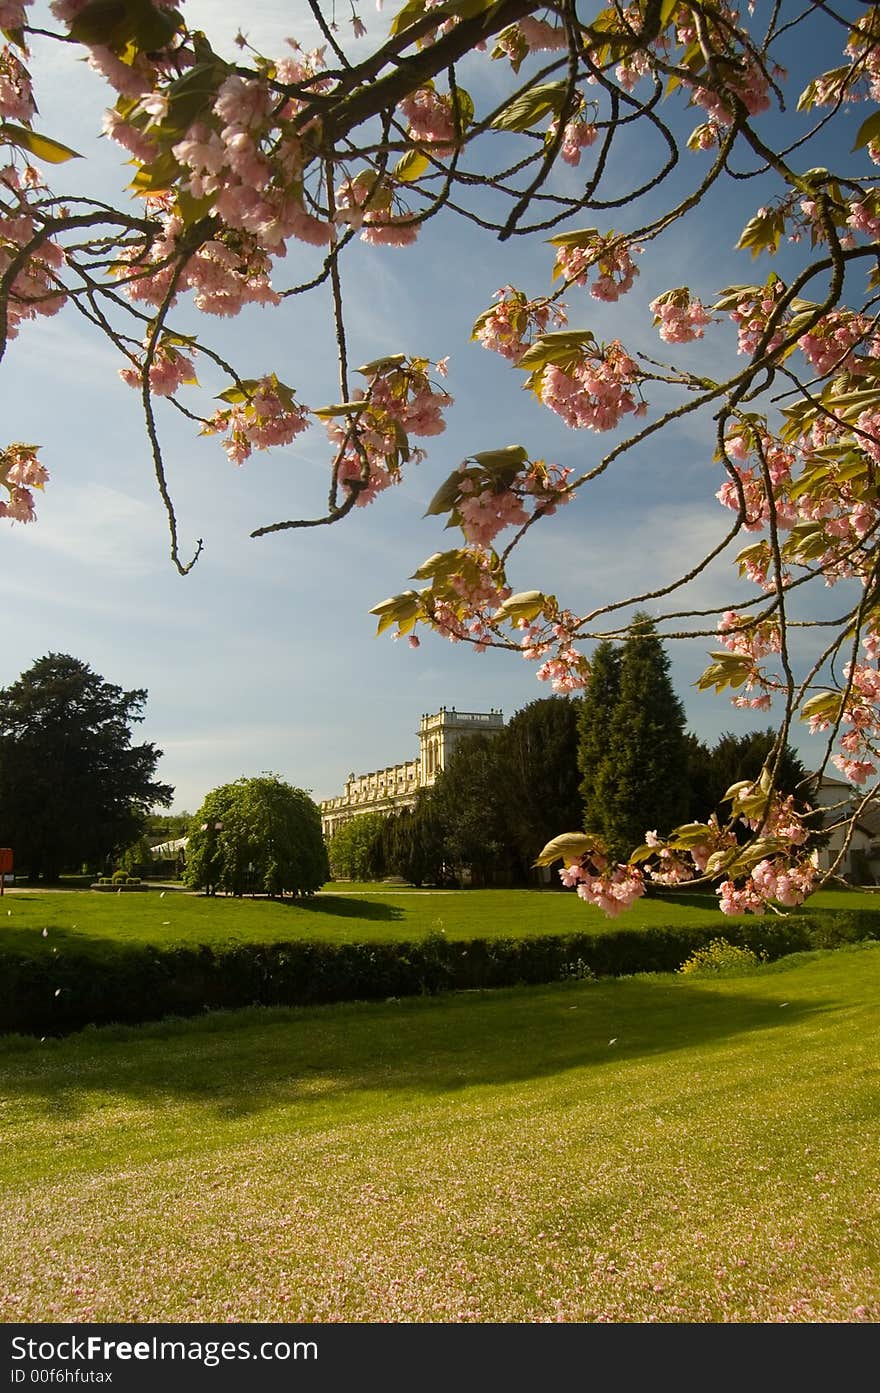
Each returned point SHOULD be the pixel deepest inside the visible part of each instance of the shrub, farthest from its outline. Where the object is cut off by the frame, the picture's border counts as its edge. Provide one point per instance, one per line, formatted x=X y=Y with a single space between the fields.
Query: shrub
x=720 y=958
x=52 y=994
x=119 y=877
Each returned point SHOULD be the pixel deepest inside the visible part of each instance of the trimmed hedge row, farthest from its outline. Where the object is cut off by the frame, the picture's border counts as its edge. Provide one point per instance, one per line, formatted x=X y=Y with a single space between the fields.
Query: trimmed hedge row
x=52 y=995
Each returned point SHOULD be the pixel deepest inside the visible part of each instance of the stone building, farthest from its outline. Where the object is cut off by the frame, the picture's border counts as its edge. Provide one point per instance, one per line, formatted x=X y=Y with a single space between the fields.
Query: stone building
x=387 y=790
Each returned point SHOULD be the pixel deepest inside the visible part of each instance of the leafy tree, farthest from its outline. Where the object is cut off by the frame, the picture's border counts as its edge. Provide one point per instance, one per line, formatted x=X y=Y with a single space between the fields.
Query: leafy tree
x=352 y=850
x=238 y=155
x=642 y=778
x=73 y=788
x=257 y=835
x=536 y=781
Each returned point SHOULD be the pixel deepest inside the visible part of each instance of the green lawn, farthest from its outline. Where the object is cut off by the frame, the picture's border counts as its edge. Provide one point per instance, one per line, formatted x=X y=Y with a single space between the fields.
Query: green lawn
x=90 y=920
x=642 y=1149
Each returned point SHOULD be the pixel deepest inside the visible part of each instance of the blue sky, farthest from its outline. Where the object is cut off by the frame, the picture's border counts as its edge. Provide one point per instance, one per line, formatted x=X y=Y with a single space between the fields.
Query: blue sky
x=263 y=658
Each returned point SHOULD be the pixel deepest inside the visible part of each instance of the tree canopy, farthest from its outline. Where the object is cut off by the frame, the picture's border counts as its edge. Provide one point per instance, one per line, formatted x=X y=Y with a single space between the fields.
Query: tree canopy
x=257 y=835
x=350 y=849
x=73 y=788
x=237 y=156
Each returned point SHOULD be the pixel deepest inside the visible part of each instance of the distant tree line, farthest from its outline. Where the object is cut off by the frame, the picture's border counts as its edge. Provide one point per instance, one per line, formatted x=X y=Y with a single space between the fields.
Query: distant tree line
x=618 y=762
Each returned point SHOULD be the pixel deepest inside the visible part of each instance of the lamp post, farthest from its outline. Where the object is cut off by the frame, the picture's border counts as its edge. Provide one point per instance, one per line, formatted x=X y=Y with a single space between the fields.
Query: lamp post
x=210 y=828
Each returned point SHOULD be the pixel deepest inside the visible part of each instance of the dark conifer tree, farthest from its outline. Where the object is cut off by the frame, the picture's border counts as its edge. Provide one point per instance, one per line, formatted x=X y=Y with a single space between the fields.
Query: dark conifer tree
x=645 y=776
x=594 y=730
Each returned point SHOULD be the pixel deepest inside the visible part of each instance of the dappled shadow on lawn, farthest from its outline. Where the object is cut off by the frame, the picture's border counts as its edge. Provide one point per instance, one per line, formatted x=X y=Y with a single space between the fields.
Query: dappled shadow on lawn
x=347 y=908
x=242 y=1063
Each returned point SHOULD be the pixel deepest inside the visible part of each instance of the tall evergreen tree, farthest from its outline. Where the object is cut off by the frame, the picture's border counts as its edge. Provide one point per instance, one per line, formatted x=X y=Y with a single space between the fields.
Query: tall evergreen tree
x=469 y=810
x=594 y=730
x=737 y=757
x=73 y=788
x=537 y=778
x=416 y=848
x=642 y=779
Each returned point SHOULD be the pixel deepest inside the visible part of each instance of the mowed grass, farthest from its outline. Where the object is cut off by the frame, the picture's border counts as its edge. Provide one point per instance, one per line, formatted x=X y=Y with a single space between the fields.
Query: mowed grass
x=645 y=1149
x=101 y=923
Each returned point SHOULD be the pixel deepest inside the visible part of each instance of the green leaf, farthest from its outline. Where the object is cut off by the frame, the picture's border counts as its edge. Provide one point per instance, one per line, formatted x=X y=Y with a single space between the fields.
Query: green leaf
x=411 y=166
x=115 y=24
x=500 y=461
x=449 y=492
x=192 y=210
x=464 y=104
x=440 y=565
x=412 y=11
x=400 y=609
x=532 y=106
x=236 y=395
x=690 y=834
x=42 y=147
x=824 y=704
x=157 y=177
x=763 y=232
x=728 y=670
x=567 y=847
x=342 y=408
x=581 y=238
x=562 y=348
x=528 y=604
x=191 y=95
x=733 y=293
x=396 y=360
x=831 y=84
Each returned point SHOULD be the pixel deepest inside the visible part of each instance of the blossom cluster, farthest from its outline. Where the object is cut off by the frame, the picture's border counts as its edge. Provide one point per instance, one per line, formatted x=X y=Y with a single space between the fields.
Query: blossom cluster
x=678 y=318
x=753 y=882
x=611 y=888
x=595 y=392
x=35 y=288
x=578 y=134
x=431 y=119
x=858 y=710
x=399 y=401
x=16 y=96
x=752 y=313
x=225 y=273
x=266 y=415
x=168 y=370
x=464 y=606
x=20 y=473
x=610 y=255
x=565 y=668
x=515 y=322
x=484 y=507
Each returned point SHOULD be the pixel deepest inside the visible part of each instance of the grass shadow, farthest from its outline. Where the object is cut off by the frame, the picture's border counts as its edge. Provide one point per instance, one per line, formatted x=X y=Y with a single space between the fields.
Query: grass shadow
x=244 y=1062
x=346 y=908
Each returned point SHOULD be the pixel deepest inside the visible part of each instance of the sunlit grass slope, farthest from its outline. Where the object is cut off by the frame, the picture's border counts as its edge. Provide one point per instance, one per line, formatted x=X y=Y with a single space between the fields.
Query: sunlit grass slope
x=88 y=920
x=642 y=1149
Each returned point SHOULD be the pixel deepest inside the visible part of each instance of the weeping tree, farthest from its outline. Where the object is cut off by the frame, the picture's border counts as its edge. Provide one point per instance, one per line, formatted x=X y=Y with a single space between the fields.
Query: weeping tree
x=258 y=835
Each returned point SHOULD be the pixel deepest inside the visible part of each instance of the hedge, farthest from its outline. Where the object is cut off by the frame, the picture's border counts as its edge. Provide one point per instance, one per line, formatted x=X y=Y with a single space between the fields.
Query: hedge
x=52 y=995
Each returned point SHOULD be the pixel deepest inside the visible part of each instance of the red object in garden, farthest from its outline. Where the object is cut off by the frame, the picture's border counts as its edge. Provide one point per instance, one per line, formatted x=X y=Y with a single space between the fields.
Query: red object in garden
x=6 y=864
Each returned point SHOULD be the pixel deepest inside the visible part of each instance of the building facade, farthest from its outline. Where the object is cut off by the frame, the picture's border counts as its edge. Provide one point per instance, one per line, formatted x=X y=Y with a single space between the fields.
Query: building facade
x=388 y=790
